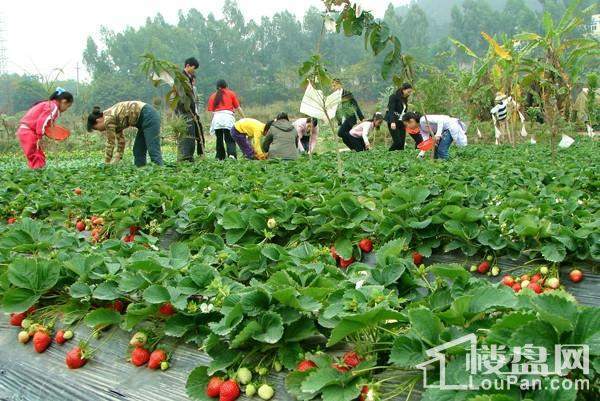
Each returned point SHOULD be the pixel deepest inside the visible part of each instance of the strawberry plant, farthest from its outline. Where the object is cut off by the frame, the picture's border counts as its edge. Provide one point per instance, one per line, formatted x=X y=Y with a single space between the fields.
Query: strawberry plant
x=265 y=268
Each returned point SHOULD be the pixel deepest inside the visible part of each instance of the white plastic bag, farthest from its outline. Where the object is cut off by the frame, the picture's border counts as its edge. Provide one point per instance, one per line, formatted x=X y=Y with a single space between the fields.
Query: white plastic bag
x=566 y=142
x=498 y=133
x=479 y=134
x=590 y=131
x=533 y=141
x=524 y=132
x=314 y=103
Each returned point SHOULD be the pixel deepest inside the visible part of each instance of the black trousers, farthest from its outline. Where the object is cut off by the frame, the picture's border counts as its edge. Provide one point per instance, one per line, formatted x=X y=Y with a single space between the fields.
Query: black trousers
x=344 y=131
x=399 y=137
x=224 y=139
x=192 y=142
x=356 y=144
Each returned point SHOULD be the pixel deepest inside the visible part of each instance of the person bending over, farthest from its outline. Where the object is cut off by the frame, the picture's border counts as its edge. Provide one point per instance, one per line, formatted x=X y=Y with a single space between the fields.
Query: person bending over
x=134 y=114
x=281 y=139
x=445 y=130
x=308 y=134
x=248 y=134
x=358 y=137
x=34 y=123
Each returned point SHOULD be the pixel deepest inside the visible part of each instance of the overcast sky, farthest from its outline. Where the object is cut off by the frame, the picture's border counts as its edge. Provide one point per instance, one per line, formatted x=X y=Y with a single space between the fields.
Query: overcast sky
x=41 y=35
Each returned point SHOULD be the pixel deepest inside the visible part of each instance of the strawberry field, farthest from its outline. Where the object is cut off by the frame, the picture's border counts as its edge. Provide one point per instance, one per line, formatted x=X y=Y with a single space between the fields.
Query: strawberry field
x=291 y=282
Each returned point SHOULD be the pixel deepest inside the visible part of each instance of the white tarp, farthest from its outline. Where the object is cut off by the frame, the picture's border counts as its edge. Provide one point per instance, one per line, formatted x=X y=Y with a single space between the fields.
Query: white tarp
x=314 y=103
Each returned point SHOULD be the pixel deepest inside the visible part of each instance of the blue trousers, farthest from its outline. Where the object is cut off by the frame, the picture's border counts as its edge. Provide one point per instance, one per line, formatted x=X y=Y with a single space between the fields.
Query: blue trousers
x=443 y=148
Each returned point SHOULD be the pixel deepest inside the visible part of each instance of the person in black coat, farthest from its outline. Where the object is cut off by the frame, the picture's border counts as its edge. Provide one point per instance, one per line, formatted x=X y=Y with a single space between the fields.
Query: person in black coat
x=348 y=113
x=397 y=107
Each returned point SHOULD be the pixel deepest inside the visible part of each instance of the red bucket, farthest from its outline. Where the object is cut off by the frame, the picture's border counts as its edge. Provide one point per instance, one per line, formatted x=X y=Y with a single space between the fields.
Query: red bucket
x=57 y=133
x=427 y=145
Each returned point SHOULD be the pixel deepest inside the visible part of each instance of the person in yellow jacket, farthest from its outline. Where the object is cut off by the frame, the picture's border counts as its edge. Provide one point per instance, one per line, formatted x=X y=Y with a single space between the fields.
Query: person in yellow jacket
x=248 y=134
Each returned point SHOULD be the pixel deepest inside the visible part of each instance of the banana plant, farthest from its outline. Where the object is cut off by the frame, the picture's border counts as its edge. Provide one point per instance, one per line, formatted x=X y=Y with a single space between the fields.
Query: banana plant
x=165 y=72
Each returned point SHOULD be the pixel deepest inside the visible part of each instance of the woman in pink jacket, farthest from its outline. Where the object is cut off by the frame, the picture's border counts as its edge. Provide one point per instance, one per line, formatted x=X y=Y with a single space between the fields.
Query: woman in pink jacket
x=33 y=125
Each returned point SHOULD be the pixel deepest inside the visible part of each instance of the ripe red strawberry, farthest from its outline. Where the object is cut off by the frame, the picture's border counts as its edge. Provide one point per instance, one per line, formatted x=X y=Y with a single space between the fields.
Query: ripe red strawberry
x=41 y=341
x=118 y=306
x=576 y=276
x=306 y=365
x=508 y=281
x=59 y=337
x=17 y=318
x=156 y=358
x=230 y=391
x=140 y=356
x=345 y=263
x=366 y=245
x=352 y=359
x=31 y=310
x=214 y=387
x=516 y=287
x=340 y=368
x=11 y=220
x=77 y=191
x=363 y=393
x=129 y=239
x=167 y=309
x=535 y=287
x=484 y=267
x=80 y=226
x=334 y=253
x=133 y=230
x=75 y=358
x=417 y=258
x=535 y=278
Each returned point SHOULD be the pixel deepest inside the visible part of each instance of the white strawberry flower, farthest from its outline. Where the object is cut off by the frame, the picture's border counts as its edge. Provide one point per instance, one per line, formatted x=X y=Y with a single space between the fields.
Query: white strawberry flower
x=206 y=308
x=359 y=284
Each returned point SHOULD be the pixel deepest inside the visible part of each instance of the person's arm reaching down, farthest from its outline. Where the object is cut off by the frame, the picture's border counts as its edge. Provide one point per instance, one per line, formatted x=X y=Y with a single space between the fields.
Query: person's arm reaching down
x=314 y=136
x=266 y=143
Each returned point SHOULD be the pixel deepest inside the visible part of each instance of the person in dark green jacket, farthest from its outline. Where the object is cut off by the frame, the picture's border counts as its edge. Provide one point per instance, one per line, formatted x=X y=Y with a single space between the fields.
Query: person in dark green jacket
x=281 y=139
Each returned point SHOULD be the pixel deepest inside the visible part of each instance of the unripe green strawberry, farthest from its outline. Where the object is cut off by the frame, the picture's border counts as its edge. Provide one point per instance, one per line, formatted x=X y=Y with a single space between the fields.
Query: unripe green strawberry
x=495 y=271
x=139 y=339
x=263 y=371
x=473 y=269
x=490 y=258
x=250 y=390
x=164 y=365
x=266 y=392
x=23 y=337
x=277 y=366
x=26 y=323
x=544 y=270
x=244 y=375
x=68 y=335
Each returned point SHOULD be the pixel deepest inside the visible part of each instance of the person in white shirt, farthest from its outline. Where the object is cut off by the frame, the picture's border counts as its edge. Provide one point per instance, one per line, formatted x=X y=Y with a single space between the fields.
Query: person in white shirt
x=308 y=133
x=445 y=129
x=358 y=137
